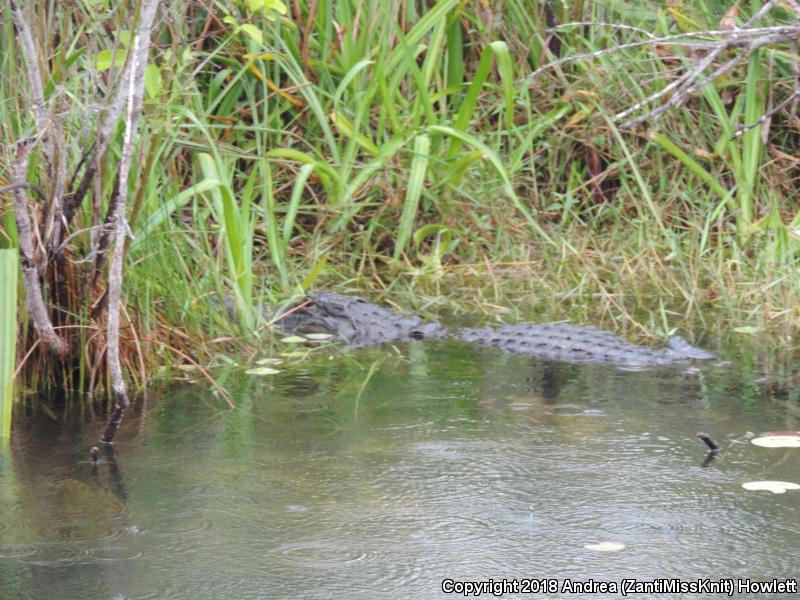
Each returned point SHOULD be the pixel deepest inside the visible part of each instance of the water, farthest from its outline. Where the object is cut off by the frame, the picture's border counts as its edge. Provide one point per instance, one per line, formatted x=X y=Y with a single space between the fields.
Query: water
x=448 y=462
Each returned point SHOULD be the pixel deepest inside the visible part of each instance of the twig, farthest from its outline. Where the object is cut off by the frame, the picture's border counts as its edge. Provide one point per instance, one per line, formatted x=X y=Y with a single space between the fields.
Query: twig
x=765 y=36
x=746 y=39
x=24 y=186
x=678 y=39
x=71 y=236
x=105 y=133
x=618 y=26
x=683 y=92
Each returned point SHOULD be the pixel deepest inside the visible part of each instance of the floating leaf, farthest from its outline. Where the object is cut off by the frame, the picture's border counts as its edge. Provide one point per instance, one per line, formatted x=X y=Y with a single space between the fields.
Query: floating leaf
x=605 y=547
x=270 y=361
x=319 y=336
x=776 y=487
x=294 y=339
x=777 y=441
x=262 y=371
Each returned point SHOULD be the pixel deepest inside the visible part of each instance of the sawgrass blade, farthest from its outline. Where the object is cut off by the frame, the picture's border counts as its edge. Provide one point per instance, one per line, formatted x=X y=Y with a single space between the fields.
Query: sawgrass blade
x=9 y=267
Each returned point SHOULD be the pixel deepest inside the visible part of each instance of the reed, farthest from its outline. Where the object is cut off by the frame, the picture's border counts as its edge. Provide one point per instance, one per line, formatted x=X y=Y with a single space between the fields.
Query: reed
x=9 y=275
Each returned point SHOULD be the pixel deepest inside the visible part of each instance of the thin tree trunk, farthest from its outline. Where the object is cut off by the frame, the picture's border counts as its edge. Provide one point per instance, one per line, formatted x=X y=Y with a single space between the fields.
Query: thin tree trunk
x=19 y=171
x=30 y=272
x=135 y=91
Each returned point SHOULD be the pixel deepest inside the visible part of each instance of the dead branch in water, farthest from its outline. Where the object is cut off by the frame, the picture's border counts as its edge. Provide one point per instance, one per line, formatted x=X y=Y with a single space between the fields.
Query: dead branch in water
x=133 y=109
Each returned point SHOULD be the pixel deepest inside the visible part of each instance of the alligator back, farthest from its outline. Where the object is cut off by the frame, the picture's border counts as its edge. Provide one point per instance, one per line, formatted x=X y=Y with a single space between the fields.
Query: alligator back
x=564 y=342
x=361 y=323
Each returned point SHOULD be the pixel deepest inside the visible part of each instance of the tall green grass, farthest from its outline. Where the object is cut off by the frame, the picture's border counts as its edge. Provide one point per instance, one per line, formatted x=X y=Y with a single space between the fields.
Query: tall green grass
x=9 y=275
x=344 y=143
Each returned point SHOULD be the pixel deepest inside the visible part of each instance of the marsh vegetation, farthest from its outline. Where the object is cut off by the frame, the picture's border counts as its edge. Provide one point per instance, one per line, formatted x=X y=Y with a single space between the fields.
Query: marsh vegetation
x=457 y=154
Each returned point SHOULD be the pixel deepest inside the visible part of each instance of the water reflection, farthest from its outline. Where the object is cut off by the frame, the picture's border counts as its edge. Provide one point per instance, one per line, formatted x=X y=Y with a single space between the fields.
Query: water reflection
x=382 y=472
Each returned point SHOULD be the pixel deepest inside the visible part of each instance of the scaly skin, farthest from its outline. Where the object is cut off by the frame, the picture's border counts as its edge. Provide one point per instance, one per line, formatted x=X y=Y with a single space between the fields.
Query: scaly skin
x=361 y=323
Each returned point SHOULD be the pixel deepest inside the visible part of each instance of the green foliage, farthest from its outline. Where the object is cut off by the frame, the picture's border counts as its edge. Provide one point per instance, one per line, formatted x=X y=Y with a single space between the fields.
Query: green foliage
x=319 y=142
x=9 y=273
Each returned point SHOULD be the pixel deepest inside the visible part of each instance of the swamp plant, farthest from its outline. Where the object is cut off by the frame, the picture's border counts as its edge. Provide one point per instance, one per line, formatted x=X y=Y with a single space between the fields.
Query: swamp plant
x=599 y=161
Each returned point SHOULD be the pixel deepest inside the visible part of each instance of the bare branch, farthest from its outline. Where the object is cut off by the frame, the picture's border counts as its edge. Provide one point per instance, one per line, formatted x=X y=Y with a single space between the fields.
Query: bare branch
x=712 y=44
x=134 y=92
x=768 y=115
x=105 y=133
x=24 y=186
x=618 y=26
x=30 y=272
x=682 y=94
x=680 y=39
x=34 y=72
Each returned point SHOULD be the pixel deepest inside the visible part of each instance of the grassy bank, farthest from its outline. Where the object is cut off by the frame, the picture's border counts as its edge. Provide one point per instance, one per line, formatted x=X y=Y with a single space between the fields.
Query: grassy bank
x=410 y=152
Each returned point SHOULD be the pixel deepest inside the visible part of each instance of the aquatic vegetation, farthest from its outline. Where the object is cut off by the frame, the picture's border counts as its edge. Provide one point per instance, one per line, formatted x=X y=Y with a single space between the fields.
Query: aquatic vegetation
x=424 y=151
x=9 y=273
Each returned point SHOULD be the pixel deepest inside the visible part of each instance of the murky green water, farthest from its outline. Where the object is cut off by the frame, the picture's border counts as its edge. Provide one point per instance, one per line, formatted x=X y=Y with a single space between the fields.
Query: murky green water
x=449 y=462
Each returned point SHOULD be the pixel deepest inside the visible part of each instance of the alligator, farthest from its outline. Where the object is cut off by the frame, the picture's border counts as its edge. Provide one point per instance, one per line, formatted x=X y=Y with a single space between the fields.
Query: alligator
x=362 y=323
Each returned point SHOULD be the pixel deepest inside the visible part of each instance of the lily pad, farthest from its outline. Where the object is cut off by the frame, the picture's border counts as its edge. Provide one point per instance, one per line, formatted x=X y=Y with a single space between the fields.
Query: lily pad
x=777 y=441
x=605 y=547
x=776 y=487
x=294 y=339
x=319 y=336
x=262 y=371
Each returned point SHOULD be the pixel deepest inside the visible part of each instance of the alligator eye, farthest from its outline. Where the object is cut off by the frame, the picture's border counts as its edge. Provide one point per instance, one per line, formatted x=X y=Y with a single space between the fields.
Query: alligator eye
x=416 y=335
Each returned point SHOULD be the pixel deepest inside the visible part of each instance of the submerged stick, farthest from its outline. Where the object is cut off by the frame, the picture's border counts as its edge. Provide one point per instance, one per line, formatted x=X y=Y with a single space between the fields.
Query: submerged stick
x=712 y=445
